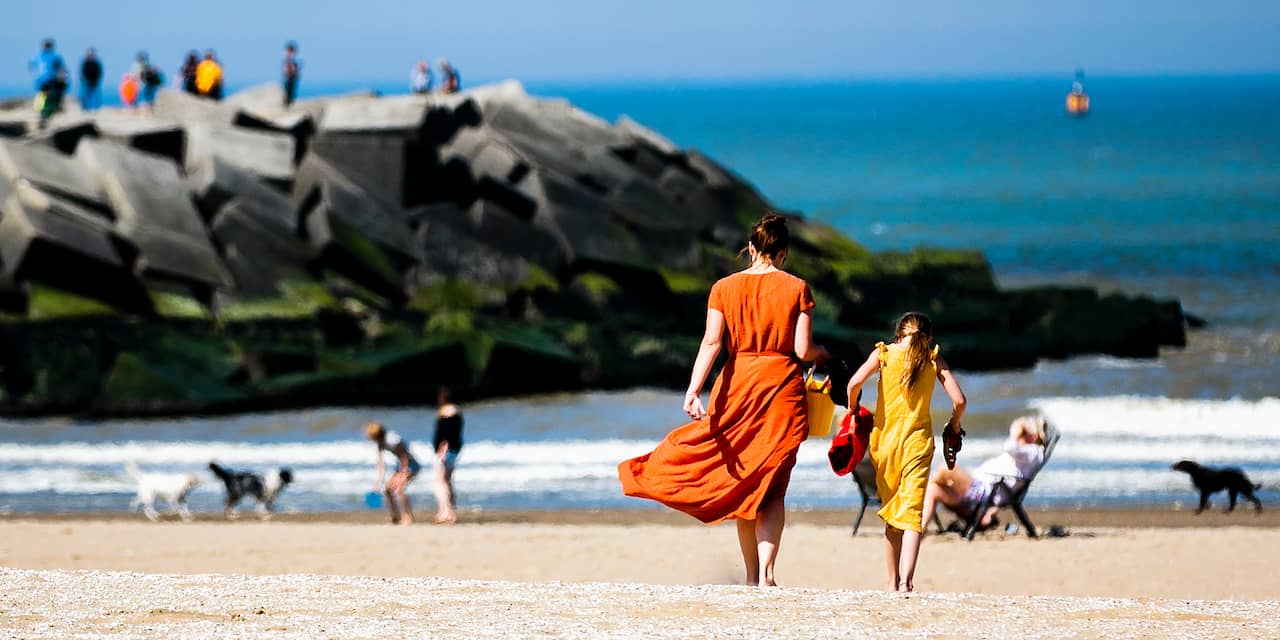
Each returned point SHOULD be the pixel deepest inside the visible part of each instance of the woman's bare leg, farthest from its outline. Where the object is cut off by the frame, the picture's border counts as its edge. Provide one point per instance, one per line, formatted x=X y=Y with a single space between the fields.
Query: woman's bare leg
x=907 y=562
x=773 y=517
x=445 y=513
x=893 y=551
x=750 y=556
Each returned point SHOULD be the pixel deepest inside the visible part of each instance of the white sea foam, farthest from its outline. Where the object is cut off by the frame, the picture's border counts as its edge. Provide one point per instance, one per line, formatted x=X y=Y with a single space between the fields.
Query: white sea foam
x=1114 y=448
x=1164 y=418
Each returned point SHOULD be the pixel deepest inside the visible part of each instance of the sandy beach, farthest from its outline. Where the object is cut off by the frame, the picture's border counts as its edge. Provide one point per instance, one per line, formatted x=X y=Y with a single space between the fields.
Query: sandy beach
x=628 y=574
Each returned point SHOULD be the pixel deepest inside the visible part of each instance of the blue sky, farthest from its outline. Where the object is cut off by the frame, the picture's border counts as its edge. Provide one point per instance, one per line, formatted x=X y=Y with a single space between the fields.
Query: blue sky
x=613 y=41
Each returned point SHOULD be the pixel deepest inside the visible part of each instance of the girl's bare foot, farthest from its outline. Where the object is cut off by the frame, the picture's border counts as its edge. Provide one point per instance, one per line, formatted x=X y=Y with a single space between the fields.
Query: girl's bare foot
x=447 y=518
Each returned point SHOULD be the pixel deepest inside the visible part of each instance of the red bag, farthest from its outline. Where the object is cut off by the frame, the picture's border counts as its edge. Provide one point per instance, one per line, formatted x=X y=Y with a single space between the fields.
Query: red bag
x=850 y=443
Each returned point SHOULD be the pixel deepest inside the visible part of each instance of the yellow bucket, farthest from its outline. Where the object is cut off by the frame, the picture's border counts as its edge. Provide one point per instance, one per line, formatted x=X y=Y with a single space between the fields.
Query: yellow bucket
x=822 y=410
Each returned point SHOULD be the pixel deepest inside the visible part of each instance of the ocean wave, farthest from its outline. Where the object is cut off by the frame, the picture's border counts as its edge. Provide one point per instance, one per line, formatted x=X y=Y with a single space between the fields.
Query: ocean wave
x=1163 y=418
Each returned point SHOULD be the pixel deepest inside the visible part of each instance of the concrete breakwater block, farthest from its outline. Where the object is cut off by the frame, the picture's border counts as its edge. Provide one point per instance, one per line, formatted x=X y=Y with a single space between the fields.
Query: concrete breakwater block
x=260 y=245
x=53 y=172
x=549 y=121
x=497 y=169
x=390 y=166
x=56 y=242
x=405 y=115
x=590 y=234
x=154 y=211
x=453 y=248
x=267 y=155
x=152 y=135
x=635 y=131
x=357 y=234
x=187 y=109
x=218 y=181
x=64 y=133
x=509 y=233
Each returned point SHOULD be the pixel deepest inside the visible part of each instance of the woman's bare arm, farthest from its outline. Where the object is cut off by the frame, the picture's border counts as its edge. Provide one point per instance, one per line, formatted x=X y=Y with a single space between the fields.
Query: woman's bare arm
x=952 y=387
x=862 y=375
x=382 y=469
x=712 y=339
x=806 y=350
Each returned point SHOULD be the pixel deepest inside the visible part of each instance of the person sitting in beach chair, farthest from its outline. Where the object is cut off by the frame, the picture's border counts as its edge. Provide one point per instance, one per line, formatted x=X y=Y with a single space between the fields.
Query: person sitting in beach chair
x=1001 y=481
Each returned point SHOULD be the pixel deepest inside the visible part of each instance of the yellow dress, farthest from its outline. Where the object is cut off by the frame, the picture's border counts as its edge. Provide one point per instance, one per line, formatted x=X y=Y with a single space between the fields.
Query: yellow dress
x=901 y=445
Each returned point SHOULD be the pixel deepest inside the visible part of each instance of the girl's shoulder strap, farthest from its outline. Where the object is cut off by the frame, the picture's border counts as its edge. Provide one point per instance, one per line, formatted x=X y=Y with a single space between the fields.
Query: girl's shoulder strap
x=884 y=353
x=933 y=355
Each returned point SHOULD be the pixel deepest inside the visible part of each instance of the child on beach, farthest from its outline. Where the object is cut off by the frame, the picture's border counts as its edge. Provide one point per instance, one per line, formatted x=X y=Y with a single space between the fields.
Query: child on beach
x=407 y=469
x=901 y=445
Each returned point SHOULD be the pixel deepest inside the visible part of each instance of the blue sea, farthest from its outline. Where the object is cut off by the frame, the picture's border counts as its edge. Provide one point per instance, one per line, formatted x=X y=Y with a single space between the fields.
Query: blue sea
x=1169 y=188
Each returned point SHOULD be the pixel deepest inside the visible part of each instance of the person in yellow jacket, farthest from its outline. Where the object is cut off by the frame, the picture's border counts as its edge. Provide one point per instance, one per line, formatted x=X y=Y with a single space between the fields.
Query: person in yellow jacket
x=209 y=76
x=901 y=444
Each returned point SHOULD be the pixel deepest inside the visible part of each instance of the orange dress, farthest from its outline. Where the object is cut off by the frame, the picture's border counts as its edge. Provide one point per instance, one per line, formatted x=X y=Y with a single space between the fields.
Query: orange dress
x=729 y=464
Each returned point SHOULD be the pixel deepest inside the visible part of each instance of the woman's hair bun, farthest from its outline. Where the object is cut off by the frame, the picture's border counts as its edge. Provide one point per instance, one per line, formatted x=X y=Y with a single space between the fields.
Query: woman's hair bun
x=770 y=236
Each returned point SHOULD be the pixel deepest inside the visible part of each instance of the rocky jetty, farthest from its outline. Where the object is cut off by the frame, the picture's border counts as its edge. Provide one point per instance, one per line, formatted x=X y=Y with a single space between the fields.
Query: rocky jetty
x=362 y=249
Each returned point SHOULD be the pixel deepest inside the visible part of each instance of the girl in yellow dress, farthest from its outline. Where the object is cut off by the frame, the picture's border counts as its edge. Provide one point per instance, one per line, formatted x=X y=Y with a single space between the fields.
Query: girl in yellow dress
x=901 y=444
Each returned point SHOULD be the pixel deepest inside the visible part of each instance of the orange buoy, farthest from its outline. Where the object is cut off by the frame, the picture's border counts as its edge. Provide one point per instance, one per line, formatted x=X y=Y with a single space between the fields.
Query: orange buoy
x=1078 y=100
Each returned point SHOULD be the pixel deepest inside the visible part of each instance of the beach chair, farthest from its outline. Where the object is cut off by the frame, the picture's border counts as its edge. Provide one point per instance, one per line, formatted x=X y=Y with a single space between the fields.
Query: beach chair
x=1009 y=491
x=864 y=478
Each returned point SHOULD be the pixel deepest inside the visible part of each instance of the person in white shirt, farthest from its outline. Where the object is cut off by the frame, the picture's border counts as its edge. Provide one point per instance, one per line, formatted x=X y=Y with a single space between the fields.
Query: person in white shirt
x=420 y=78
x=406 y=470
x=962 y=492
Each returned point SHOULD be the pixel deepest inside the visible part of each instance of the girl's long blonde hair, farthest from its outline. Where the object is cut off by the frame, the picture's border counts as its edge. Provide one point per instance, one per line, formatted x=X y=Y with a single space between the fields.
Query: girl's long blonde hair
x=920 y=328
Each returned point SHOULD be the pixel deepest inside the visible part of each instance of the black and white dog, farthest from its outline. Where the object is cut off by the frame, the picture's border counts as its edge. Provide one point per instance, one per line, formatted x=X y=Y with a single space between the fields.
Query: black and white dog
x=263 y=487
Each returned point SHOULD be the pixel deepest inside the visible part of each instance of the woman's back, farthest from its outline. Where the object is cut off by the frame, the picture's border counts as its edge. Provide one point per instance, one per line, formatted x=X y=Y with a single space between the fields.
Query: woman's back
x=760 y=310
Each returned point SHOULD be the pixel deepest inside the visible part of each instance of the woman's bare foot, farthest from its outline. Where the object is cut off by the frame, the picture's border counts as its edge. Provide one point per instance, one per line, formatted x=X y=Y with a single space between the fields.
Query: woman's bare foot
x=448 y=518
x=906 y=587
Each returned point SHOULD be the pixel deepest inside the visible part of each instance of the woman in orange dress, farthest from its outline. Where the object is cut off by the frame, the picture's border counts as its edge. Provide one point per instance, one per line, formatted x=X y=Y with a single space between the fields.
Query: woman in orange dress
x=735 y=459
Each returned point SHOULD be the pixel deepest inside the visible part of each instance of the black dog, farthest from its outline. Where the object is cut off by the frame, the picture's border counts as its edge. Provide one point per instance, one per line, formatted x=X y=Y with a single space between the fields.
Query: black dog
x=1210 y=481
x=264 y=488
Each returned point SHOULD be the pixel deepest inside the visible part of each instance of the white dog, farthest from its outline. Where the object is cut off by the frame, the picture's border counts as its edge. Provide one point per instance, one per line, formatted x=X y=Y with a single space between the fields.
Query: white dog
x=172 y=488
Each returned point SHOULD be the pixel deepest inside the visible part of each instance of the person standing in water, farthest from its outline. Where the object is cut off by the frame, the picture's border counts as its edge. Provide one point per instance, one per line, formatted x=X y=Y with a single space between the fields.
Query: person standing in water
x=901 y=445
x=406 y=470
x=447 y=443
x=734 y=461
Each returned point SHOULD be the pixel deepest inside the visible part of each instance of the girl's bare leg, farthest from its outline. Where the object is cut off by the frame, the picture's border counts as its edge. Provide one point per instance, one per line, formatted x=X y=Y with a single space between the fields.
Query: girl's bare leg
x=773 y=517
x=394 y=516
x=750 y=556
x=407 y=518
x=907 y=562
x=893 y=552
